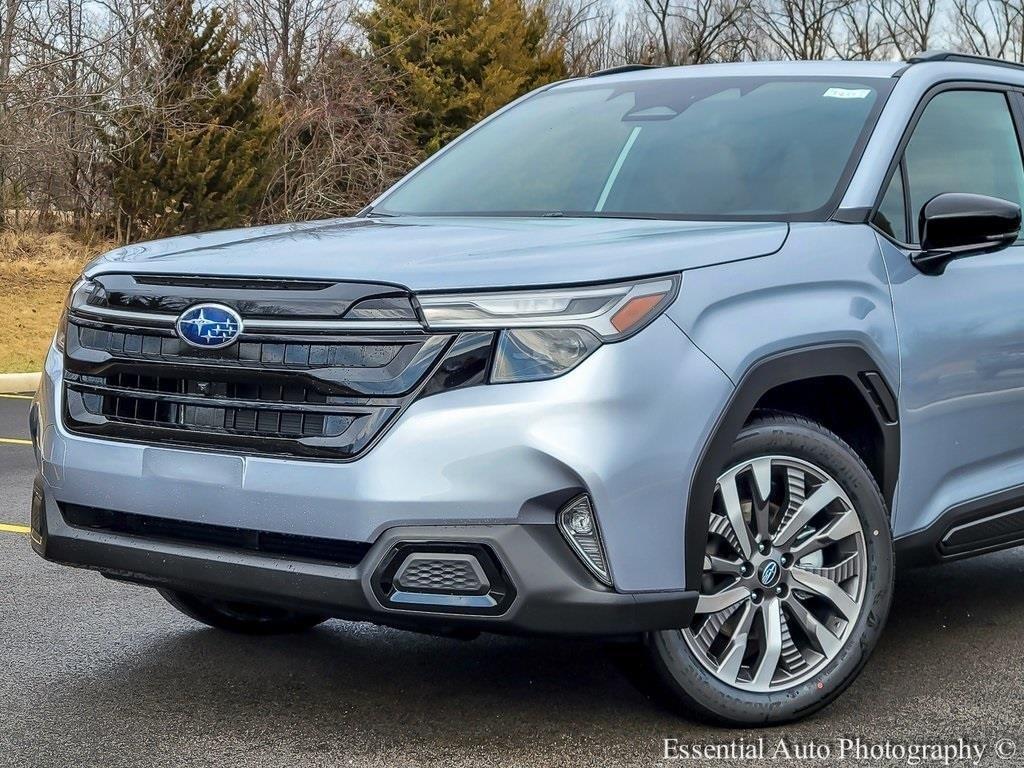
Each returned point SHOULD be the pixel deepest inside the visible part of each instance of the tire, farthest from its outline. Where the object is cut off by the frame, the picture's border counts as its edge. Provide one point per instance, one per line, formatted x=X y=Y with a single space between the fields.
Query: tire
x=241 y=618
x=698 y=672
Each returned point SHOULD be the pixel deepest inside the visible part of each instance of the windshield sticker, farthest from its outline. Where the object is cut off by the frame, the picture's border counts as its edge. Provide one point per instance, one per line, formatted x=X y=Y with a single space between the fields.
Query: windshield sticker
x=847 y=93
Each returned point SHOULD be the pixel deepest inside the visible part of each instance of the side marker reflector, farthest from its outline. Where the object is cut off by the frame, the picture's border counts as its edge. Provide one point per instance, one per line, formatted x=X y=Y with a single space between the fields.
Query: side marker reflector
x=634 y=311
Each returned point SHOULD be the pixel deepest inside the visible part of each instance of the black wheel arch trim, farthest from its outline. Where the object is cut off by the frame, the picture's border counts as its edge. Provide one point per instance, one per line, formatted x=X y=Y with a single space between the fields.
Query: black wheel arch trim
x=849 y=360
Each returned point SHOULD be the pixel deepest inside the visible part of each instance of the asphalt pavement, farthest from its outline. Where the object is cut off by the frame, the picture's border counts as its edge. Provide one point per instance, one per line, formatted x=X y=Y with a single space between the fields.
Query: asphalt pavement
x=96 y=673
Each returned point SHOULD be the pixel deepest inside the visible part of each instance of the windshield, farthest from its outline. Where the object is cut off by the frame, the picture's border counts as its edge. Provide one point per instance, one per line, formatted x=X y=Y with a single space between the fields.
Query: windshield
x=701 y=148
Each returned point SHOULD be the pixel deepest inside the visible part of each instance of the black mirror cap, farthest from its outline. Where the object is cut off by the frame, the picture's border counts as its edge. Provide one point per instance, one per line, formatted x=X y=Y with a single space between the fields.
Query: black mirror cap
x=956 y=224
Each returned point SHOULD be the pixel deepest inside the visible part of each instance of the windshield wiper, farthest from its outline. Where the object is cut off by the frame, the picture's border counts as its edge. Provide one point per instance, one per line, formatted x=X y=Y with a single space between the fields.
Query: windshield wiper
x=377 y=214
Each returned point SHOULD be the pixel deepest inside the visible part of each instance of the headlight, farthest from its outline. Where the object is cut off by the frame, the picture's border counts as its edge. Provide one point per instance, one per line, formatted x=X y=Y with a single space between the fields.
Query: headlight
x=61 y=337
x=548 y=332
x=540 y=353
x=80 y=293
x=78 y=296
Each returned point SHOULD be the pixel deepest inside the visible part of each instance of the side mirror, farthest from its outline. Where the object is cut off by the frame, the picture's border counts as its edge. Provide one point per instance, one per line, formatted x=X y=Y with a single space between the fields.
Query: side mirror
x=954 y=225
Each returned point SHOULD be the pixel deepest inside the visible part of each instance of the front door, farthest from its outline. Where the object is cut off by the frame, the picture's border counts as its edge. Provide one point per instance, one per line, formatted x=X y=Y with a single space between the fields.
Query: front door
x=961 y=333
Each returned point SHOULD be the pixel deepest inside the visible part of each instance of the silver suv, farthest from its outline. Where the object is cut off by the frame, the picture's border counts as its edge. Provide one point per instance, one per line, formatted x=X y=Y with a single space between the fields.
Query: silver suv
x=694 y=355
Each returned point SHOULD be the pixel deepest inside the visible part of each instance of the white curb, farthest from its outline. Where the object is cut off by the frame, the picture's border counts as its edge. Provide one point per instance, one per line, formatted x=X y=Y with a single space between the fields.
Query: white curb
x=13 y=383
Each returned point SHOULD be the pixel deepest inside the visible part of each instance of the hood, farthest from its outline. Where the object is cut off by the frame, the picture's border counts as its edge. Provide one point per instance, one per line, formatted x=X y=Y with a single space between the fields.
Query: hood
x=439 y=253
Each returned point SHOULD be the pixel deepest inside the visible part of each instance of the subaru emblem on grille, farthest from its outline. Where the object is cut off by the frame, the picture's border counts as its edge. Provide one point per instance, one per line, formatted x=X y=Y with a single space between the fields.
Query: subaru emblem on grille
x=210 y=326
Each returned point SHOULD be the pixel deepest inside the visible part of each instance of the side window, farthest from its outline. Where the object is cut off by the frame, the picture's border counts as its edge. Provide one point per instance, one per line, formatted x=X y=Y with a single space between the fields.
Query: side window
x=965 y=141
x=891 y=216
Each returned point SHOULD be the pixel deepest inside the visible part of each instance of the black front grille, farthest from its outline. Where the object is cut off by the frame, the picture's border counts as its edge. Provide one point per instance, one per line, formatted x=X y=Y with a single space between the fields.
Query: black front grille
x=272 y=410
x=335 y=551
x=150 y=344
x=296 y=390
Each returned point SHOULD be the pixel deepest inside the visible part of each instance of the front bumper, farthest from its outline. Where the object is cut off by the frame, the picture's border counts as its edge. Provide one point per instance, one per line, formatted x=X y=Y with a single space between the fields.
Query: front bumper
x=490 y=464
x=553 y=592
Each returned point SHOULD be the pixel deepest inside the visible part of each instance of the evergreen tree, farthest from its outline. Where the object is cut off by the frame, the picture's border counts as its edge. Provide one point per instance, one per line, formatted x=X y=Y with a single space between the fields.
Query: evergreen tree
x=196 y=156
x=460 y=60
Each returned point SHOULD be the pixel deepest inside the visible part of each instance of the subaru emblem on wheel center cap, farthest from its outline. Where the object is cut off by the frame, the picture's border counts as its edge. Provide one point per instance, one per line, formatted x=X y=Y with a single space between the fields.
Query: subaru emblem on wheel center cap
x=209 y=326
x=770 y=573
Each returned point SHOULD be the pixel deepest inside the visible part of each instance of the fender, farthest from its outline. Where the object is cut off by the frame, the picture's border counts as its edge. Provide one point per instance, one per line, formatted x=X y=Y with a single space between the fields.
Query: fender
x=850 y=361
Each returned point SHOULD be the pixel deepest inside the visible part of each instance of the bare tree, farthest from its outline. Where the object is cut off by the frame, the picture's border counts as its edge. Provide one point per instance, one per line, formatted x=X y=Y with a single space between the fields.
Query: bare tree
x=659 y=17
x=291 y=39
x=8 y=28
x=909 y=24
x=586 y=31
x=61 y=79
x=694 y=31
x=862 y=35
x=801 y=29
x=341 y=144
x=990 y=28
x=635 y=43
x=709 y=30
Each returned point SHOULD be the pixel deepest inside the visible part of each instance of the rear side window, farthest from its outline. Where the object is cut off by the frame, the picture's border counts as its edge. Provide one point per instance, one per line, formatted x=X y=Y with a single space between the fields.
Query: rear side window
x=965 y=141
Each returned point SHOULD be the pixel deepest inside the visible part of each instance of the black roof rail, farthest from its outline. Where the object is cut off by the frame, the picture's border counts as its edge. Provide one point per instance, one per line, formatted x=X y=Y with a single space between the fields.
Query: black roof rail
x=962 y=58
x=623 y=68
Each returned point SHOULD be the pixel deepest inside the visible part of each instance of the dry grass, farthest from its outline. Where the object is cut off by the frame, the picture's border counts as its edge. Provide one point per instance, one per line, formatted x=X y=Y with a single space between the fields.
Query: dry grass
x=36 y=270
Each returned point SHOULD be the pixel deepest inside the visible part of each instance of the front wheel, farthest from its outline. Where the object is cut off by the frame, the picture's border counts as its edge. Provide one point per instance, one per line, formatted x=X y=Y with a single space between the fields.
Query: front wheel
x=242 y=618
x=796 y=585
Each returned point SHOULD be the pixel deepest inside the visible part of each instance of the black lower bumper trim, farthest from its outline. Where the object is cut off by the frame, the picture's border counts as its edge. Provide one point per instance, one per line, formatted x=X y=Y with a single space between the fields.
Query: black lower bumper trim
x=221 y=536
x=553 y=593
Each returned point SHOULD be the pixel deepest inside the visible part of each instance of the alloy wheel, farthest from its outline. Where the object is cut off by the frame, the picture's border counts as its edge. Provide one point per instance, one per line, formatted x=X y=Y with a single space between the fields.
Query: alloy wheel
x=784 y=575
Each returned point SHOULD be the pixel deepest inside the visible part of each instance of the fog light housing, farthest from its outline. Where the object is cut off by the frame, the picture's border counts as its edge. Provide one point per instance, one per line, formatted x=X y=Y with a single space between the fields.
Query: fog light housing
x=441 y=577
x=578 y=524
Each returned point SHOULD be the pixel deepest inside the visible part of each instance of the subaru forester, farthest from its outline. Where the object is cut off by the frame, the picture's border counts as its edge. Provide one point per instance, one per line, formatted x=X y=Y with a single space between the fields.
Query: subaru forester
x=694 y=355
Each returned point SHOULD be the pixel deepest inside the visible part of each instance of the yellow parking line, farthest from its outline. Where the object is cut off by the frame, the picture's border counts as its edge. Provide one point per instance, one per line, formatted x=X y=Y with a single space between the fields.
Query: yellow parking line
x=8 y=528
x=17 y=397
x=14 y=441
